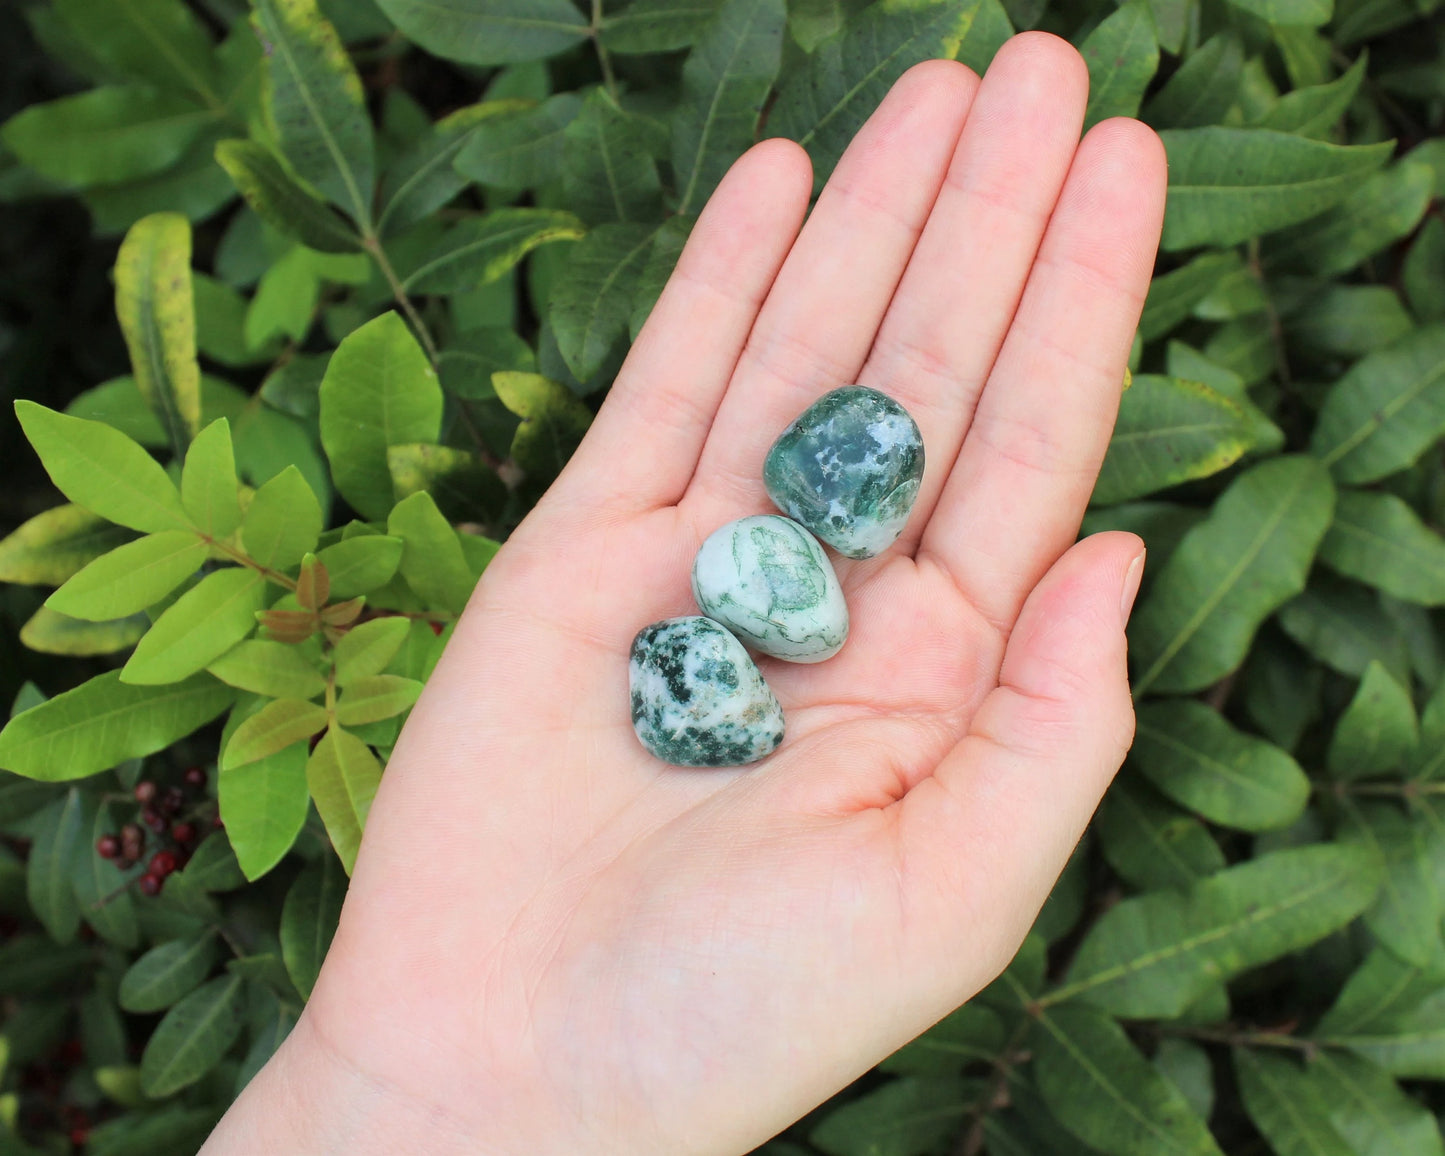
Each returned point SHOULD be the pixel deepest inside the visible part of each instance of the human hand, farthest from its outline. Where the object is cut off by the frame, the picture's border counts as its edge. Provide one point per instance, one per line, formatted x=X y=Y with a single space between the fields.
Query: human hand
x=553 y=943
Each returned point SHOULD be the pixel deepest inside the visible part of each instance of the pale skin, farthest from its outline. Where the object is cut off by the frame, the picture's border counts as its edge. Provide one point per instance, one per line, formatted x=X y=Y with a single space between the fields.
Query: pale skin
x=553 y=943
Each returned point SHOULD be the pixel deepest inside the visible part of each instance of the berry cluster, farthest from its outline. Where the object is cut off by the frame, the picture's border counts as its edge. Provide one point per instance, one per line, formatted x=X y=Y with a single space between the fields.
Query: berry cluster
x=170 y=815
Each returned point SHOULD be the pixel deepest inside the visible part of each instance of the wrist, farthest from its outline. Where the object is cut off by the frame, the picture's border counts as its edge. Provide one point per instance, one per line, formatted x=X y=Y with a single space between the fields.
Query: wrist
x=309 y=1099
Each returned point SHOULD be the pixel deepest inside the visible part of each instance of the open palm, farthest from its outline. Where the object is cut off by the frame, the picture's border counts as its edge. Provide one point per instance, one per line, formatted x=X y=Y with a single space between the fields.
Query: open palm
x=555 y=943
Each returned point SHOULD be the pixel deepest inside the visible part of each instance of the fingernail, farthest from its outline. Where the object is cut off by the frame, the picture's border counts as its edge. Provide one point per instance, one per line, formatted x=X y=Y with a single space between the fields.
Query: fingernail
x=1132 y=578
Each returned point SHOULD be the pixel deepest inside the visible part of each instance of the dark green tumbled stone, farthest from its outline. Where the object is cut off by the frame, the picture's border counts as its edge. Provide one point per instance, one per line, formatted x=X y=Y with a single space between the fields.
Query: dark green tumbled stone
x=698 y=699
x=849 y=469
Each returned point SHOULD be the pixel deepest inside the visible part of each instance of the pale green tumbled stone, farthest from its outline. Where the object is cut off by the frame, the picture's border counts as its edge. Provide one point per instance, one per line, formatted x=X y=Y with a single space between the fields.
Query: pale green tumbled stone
x=698 y=699
x=849 y=469
x=769 y=581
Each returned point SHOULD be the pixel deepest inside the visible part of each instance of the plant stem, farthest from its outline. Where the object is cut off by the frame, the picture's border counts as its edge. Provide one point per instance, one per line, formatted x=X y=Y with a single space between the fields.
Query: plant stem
x=244 y=559
x=1401 y=790
x=398 y=291
x=971 y=1142
x=1239 y=1037
x=608 y=77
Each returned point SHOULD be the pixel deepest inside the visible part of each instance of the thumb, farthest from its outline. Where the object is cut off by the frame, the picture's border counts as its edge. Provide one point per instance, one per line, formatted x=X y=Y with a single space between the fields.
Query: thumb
x=1004 y=810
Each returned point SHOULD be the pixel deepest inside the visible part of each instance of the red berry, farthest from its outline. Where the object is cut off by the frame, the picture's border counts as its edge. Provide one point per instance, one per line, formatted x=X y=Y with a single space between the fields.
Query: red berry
x=183 y=832
x=216 y=822
x=80 y=1137
x=107 y=846
x=172 y=801
x=150 y=884
x=154 y=820
x=145 y=791
x=196 y=777
x=162 y=864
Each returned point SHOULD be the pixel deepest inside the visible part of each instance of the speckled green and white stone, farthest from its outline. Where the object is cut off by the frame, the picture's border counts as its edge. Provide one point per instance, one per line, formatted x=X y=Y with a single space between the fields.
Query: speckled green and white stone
x=769 y=581
x=848 y=469
x=698 y=699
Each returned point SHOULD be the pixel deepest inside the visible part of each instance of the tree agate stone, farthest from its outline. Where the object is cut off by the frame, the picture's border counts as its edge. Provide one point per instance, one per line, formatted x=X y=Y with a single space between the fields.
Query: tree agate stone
x=769 y=581
x=698 y=700
x=848 y=469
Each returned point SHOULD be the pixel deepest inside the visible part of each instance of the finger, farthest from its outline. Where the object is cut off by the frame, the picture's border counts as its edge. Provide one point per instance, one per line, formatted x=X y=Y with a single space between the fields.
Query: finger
x=1017 y=493
x=984 y=838
x=949 y=316
x=823 y=311
x=668 y=390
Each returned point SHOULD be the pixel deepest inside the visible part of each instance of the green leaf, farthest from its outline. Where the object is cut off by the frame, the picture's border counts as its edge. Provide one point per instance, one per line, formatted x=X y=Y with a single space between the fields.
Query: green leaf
x=209 y=490
x=656 y=25
x=521 y=148
x=1386 y=207
x=1423 y=274
x=130 y=577
x=194 y=1036
x=1386 y=411
x=213 y=866
x=482 y=249
x=49 y=632
x=1378 y=730
x=1383 y=990
x=1103 y=1091
x=1123 y=55
x=369 y=700
x=1406 y=914
x=1286 y=1107
x=283 y=521
x=103 y=722
x=280 y=201
x=1229 y=573
x=118 y=403
x=1345 y=320
x=465 y=488
x=308 y=921
x=173 y=1131
x=368 y=649
x=1150 y=843
x=903 y=1117
x=1170 y=431
x=1370 y=1111
x=1314 y=110
x=1187 y=1066
x=971 y=1033
x=489 y=31
x=359 y=565
x=275 y=669
x=1191 y=754
x=823 y=104
x=1428 y=759
x=1154 y=955
x=1345 y=627
x=608 y=170
x=106 y=135
x=591 y=306
x=1203 y=88
x=274 y=727
x=51 y=548
x=156 y=42
x=667 y=246
x=198 y=628
x=553 y=422
x=342 y=775
x=1404 y=1037
x=166 y=974
x=423 y=178
x=725 y=82
x=103 y=470
x=264 y=805
x=1295 y=13
x=432 y=561
x=59 y=842
x=1229 y=184
x=156 y=307
x=314 y=99
x=379 y=391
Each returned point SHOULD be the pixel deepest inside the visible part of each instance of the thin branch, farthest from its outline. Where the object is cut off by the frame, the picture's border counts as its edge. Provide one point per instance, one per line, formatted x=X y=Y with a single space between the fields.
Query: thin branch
x=609 y=78
x=398 y=291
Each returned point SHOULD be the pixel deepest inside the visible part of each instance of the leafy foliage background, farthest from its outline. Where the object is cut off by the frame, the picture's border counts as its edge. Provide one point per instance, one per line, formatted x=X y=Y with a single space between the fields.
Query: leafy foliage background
x=308 y=304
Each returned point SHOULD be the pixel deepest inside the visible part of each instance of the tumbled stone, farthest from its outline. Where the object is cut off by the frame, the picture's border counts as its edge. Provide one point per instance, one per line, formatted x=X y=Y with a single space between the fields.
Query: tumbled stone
x=849 y=469
x=769 y=581
x=698 y=700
